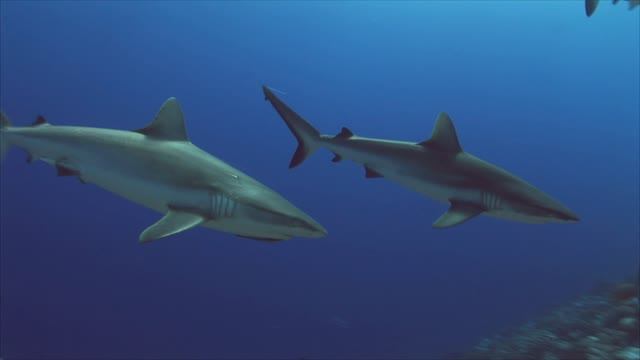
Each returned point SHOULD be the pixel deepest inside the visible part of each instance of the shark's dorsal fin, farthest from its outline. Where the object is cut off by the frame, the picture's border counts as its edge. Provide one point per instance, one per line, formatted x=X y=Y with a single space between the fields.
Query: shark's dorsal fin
x=443 y=137
x=344 y=133
x=40 y=120
x=458 y=213
x=168 y=124
x=174 y=222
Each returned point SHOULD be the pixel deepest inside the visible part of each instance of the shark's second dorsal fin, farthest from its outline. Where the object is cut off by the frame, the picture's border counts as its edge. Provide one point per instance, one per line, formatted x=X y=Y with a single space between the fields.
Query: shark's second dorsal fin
x=168 y=124
x=344 y=134
x=443 y=137
x=40 y=120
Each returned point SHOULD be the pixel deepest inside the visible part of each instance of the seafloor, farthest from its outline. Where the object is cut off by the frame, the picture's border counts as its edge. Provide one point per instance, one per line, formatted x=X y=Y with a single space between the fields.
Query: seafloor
x=603 y=325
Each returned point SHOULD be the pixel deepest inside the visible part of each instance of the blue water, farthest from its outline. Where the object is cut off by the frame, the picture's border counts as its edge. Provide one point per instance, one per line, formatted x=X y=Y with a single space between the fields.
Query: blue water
x=535 y=87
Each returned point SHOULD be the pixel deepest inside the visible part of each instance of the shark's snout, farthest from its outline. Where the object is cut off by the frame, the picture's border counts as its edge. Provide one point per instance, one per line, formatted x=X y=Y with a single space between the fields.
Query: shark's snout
x=277 y=218
x=568 y=216
x=315 y=230
x=561 y=213
x=302 y=225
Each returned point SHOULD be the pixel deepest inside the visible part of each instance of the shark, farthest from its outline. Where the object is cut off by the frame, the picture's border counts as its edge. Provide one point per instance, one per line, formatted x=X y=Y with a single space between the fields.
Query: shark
x=159 y=168
x=438 y=168
x=591 y=5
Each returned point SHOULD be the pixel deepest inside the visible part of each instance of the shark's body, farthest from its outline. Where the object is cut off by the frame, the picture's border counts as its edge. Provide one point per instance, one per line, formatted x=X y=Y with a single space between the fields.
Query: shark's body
x=437 y=168
x=159 y=168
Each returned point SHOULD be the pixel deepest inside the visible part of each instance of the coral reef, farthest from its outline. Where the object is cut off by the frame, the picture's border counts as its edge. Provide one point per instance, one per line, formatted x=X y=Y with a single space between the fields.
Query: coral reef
x=603 y=325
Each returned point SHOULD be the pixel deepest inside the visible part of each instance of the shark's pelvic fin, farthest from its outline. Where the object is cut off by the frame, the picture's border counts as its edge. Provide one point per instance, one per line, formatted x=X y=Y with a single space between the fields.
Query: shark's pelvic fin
x=174 y=222
x=458 y=213
x=168 y=124
x=444 y=137
x=370 y=173
x=336 y=158
x=344 y=134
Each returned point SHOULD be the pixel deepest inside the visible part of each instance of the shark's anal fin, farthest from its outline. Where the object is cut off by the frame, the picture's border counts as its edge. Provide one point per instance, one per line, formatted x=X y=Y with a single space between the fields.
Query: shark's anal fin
x=66 y=171
x=370 y=173
x=458 y=213
x=168 y=124
x=174 y=222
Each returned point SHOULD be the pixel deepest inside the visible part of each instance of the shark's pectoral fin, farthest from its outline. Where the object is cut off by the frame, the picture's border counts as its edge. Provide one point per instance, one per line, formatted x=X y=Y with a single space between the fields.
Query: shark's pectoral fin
x=458 y=213
x=174 y=222
x=370 y=173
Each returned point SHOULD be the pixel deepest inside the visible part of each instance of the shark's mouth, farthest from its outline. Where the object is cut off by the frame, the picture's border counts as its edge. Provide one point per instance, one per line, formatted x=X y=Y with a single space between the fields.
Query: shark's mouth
x=556 y=214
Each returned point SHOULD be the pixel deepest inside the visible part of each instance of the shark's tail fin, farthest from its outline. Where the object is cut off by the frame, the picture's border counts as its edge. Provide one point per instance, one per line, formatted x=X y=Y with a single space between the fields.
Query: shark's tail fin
x=308 y=137
x=4 y=144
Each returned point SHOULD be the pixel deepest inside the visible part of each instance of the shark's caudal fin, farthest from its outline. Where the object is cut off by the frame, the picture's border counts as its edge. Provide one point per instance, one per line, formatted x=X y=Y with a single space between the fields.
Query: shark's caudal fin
x=4 y=144
x=306 y=134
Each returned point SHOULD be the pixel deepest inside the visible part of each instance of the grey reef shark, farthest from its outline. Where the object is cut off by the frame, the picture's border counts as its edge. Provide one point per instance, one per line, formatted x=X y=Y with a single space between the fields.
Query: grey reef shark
x=437 y=168
x=591 y=5
x=158 y=167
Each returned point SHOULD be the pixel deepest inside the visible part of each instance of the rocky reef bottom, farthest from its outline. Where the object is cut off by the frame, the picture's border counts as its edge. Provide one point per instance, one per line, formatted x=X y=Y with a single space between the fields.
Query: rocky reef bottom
x=603 y=325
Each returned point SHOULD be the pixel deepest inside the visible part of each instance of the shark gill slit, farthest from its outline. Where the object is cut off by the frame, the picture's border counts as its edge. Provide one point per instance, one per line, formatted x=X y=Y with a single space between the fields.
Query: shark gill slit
x=490 y=200
x=222 y=205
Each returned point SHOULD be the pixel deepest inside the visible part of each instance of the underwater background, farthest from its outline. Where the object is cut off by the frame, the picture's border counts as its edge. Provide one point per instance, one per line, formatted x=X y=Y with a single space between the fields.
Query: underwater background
x=534 y=87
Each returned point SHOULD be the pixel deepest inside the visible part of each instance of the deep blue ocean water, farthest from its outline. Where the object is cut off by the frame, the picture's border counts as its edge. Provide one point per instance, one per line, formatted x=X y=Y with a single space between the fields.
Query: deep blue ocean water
x=534 y=87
